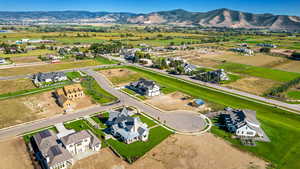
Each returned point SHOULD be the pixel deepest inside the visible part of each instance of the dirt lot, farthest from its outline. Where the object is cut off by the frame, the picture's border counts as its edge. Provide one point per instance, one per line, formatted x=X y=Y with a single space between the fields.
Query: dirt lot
x=180 y=152
x=7 y=86
x=14 y=155
x=291 y=66
x=27 y=108
x=84 y=102
x=253 y=85
x=120 y=77
x=26 y=59
x=173 y=101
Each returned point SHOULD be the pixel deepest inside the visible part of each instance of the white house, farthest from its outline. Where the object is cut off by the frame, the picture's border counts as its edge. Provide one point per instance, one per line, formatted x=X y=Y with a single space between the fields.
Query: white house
x=50 y=77
x=145 y=87
x=2 y=61
x=127 y=128
x=80 y=142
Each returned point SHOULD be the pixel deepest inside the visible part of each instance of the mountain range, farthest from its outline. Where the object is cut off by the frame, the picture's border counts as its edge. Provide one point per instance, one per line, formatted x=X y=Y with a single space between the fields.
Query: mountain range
x=215 y=18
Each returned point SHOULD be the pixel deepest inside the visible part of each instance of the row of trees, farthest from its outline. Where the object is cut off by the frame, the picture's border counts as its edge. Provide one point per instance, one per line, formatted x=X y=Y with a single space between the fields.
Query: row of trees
x=284 y=87
x=105 y=48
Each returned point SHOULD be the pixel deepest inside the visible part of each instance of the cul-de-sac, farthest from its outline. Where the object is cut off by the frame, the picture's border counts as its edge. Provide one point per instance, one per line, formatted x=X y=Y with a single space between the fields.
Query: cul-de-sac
x=149 y=91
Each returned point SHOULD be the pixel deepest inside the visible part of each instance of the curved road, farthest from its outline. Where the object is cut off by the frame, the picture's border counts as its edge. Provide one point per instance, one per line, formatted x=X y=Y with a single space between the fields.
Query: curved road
x=183 y=122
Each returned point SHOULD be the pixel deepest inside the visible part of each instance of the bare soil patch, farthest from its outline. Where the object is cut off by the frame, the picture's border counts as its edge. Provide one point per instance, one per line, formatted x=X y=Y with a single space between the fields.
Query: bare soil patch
x=291 y=66
x=253 y=85
x=23 y=109
x=83 y=102
x=173 y=101
x=25 y=59
x=14 y=155
x=7 y=86
x=180 y=152
x=120 y=77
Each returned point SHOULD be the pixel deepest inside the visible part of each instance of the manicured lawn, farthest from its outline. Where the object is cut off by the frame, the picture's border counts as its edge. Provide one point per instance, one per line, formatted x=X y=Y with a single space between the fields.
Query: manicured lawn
x=146 y=120
x=73 y=75
x=131 y=92
x=105 y=61
x=294 y=95
x=232 y=78
x=268 y=73
x=133 y=151
x=98 y=94
x=281 y=126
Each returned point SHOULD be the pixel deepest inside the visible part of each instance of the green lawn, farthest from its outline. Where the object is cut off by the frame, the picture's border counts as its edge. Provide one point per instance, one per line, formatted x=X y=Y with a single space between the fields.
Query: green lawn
x=73 y=75
x=146 y=120
x=281 y=126
x=131 y=92
x=133 y=151
x=293 y=95
x=267 y=73
x=98 y=94
x=105 y=61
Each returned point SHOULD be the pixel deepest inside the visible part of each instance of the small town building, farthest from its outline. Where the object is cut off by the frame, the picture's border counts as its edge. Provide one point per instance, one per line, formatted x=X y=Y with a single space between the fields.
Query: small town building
x=146 y=62
x=189 y=68
x=2 y=61
x=127 y=128
x=50 y=77
x=145 y=87
x=243 y=50
x=214 y=76
x=82 y=141
x=49 y=153
x=67 y=95
x=267 y=45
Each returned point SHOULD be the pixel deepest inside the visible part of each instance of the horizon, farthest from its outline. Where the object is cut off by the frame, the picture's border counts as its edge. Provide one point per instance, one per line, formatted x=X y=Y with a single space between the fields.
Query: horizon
x=275 y=7
x=70 y=10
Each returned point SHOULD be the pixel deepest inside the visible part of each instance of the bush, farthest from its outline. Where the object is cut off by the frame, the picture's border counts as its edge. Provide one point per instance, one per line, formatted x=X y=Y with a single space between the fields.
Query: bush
x=296 y=55
x=265 y=50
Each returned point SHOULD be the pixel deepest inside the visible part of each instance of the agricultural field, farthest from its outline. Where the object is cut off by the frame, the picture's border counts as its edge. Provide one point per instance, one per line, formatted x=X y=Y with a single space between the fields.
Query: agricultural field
x=277 y=123
x=25 y=59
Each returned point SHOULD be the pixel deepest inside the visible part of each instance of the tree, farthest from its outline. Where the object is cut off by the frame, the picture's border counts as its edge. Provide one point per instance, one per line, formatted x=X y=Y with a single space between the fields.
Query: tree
x=296 y=55
x=265 y=50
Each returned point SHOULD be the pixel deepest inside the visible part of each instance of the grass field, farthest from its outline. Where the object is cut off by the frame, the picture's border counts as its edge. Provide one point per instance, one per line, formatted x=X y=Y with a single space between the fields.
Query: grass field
x=29 y=53
x=267 y=73
x=277 y=123
x=133 y=151
x=293 y=95
x=47 y=68
x=98 y=94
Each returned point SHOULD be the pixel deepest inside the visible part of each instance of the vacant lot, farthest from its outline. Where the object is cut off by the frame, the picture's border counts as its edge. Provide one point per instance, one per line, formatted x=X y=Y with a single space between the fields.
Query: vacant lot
x=253 y=85
x=27 y=108
x=7 y=86
x=291 y=65
x=180 y=152
x=120 y=77
x=48 y=68
x=25 y=59
x=29 y=53
x=14 y=155
x=173 y=101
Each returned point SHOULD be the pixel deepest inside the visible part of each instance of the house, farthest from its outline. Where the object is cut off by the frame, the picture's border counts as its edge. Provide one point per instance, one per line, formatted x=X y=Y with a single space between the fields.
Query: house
x=243 y=50
x=2 y=61
x=243 y=123
x=82 y=141
x=50 y=77
x=50 y=154
x=189 y=68
x=129 y=54
x=67 y=95
x=145 y=87
x=214 y=76
x=58 y=153
x=127 y=128
x=267 y=45
x=146 y=62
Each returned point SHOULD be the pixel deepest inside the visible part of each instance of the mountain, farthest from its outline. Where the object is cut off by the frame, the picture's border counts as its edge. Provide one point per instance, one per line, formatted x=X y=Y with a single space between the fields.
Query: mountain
x=216 y=18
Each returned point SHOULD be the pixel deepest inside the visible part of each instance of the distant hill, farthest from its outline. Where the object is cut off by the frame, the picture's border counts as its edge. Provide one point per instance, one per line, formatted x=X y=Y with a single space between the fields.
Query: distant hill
x=216 y=18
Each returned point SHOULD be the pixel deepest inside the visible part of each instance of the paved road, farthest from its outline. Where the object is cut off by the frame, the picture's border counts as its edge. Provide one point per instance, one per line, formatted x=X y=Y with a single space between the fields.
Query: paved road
x=294 y=107
x=181 y=121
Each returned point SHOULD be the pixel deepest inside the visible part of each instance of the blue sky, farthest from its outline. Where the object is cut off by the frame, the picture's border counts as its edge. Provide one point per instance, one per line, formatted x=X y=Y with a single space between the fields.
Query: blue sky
x=288 y=7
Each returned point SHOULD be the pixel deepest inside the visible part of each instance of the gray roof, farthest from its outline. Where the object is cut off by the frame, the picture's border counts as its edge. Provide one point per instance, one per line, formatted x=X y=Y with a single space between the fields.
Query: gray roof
x=77 y=137
x=51 y=75
x=48 y=146
x=144 y=84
